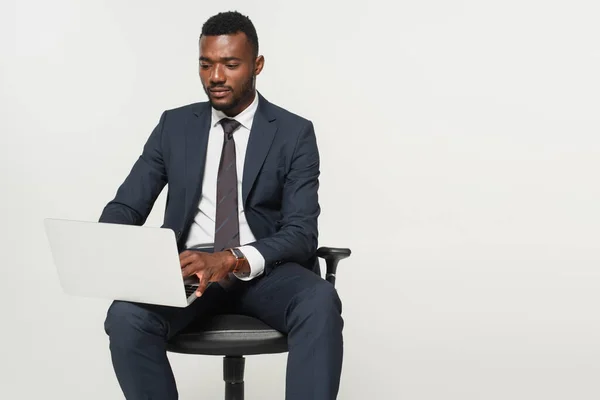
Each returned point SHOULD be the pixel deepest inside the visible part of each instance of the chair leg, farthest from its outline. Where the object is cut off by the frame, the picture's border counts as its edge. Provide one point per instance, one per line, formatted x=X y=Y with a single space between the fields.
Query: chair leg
x=233 y=375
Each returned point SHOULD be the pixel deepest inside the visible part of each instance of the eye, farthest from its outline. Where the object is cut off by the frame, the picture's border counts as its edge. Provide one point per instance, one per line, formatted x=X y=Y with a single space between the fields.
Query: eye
x=205 y=66
x=232 y=66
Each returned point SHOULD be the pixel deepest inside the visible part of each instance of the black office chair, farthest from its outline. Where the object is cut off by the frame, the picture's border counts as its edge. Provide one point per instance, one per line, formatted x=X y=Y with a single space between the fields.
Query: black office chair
x=235 y=336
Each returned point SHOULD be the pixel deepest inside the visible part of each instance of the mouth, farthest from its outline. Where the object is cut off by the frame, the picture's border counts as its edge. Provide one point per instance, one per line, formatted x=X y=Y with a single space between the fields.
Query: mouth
x=219 y=93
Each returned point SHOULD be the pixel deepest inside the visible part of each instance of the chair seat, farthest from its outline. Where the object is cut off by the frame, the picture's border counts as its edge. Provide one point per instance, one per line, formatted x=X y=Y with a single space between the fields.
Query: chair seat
x=229 y=335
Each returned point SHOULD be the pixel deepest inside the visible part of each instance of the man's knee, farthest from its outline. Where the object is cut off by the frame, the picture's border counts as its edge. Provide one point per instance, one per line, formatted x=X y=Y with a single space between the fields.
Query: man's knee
x=320 y=302
x=327 y=296
x=127 y=323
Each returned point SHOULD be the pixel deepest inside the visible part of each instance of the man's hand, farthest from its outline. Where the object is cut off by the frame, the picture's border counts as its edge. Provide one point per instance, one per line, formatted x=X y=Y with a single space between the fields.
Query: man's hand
x=209 y=267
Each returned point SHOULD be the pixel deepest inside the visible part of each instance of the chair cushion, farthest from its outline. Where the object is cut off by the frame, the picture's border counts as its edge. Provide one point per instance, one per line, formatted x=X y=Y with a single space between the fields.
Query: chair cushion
x=229 y=335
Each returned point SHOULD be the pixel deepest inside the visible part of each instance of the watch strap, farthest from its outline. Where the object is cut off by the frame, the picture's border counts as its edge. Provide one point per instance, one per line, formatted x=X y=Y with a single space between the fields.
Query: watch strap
x=239 y=258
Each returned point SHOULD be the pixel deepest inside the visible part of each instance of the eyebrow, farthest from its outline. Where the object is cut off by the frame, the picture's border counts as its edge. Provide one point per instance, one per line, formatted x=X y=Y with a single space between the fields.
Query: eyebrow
x=224 y=59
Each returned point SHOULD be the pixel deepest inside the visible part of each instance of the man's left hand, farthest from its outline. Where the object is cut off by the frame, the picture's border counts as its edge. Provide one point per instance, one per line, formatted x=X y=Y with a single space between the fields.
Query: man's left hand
x=209 y=267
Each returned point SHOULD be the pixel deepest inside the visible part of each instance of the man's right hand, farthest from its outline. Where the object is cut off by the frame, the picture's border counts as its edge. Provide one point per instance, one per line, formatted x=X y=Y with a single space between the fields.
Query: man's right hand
x=208 y=267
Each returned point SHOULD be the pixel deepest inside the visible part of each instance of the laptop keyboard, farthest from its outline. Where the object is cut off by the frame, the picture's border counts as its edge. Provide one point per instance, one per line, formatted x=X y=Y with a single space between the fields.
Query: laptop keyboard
x=190 y=289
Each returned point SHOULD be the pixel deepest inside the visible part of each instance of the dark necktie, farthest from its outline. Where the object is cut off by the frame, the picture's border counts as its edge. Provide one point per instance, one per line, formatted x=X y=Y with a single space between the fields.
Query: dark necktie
x=227 y=232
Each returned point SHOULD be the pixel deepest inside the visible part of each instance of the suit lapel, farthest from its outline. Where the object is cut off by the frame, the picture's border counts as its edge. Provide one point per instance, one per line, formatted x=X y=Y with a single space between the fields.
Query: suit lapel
x=196 y=143
x=261 y=136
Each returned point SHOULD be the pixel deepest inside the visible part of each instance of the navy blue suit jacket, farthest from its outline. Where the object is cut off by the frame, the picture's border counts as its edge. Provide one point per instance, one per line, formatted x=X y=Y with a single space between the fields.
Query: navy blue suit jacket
x=279 y=185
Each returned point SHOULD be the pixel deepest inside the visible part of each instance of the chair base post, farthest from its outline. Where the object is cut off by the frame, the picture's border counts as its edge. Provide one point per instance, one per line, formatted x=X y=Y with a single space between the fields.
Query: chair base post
x=233 y=375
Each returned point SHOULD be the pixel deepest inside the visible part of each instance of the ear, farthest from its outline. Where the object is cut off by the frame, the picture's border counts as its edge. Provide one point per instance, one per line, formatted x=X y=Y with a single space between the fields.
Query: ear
x=259 y=63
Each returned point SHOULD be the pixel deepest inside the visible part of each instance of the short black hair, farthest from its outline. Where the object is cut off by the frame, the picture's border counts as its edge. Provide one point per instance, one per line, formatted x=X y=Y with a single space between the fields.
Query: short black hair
x=229 y=23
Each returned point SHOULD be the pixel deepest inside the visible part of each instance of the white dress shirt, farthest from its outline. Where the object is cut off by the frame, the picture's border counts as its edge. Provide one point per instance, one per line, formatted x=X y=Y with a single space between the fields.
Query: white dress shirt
x=202 y=231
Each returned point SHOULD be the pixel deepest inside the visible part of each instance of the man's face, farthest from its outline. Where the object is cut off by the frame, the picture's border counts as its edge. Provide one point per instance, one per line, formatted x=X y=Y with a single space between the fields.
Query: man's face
x=227 y=71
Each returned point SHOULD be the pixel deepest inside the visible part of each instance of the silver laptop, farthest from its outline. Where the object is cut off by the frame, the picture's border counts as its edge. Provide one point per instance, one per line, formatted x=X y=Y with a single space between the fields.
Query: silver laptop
x=119 y=262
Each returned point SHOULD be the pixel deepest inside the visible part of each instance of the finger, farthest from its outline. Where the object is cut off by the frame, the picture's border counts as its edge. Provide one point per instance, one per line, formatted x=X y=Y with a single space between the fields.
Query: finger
x=186 y=258
x=203 y=283
x=192 y=263
x=189 y=270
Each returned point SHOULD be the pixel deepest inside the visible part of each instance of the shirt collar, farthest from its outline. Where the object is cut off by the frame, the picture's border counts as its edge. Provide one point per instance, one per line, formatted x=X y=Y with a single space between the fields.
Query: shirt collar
x=245 y=117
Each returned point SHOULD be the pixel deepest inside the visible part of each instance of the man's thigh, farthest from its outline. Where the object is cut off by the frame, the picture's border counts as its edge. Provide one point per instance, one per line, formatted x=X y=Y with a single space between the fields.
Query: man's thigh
x=174 y=319
x=270 y=298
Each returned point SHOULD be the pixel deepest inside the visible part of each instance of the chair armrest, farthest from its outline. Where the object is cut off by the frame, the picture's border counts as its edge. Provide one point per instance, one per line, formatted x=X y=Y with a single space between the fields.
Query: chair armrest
x=332 y=256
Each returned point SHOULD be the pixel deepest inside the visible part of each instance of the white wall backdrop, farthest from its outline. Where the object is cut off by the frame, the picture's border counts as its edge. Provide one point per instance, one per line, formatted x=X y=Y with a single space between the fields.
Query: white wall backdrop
x=460 y=158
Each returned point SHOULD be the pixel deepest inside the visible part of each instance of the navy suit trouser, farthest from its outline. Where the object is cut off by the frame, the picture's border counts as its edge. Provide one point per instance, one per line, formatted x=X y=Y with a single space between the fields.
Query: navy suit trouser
x=290 y=298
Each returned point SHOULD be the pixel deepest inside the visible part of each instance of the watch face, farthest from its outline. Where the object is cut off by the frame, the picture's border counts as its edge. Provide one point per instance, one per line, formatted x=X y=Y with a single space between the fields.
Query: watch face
x=238 y=253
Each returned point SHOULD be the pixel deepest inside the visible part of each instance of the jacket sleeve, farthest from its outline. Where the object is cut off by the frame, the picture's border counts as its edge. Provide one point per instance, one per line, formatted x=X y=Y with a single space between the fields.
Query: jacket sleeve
x=142 y=186
x=297 y=239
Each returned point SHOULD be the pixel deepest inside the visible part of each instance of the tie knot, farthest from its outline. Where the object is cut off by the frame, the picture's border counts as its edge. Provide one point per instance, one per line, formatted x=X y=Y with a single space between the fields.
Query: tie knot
x=229 y=126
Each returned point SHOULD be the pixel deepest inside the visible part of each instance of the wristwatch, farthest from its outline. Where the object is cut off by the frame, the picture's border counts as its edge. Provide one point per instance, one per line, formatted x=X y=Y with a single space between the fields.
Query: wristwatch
x=240 y=258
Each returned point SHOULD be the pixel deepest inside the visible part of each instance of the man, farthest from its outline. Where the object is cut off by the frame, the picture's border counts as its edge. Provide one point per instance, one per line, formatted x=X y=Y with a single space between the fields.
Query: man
x=243 y=179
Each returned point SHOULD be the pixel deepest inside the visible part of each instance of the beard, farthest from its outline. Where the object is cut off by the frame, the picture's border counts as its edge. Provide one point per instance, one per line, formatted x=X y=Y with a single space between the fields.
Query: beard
x=245 y=91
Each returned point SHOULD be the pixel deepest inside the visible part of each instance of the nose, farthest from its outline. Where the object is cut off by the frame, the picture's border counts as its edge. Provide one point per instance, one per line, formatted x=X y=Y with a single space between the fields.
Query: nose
x=217 y=75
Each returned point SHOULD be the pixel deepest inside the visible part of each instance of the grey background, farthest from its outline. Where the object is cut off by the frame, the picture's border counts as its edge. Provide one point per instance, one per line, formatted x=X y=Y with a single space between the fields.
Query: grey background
x=460 y=159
